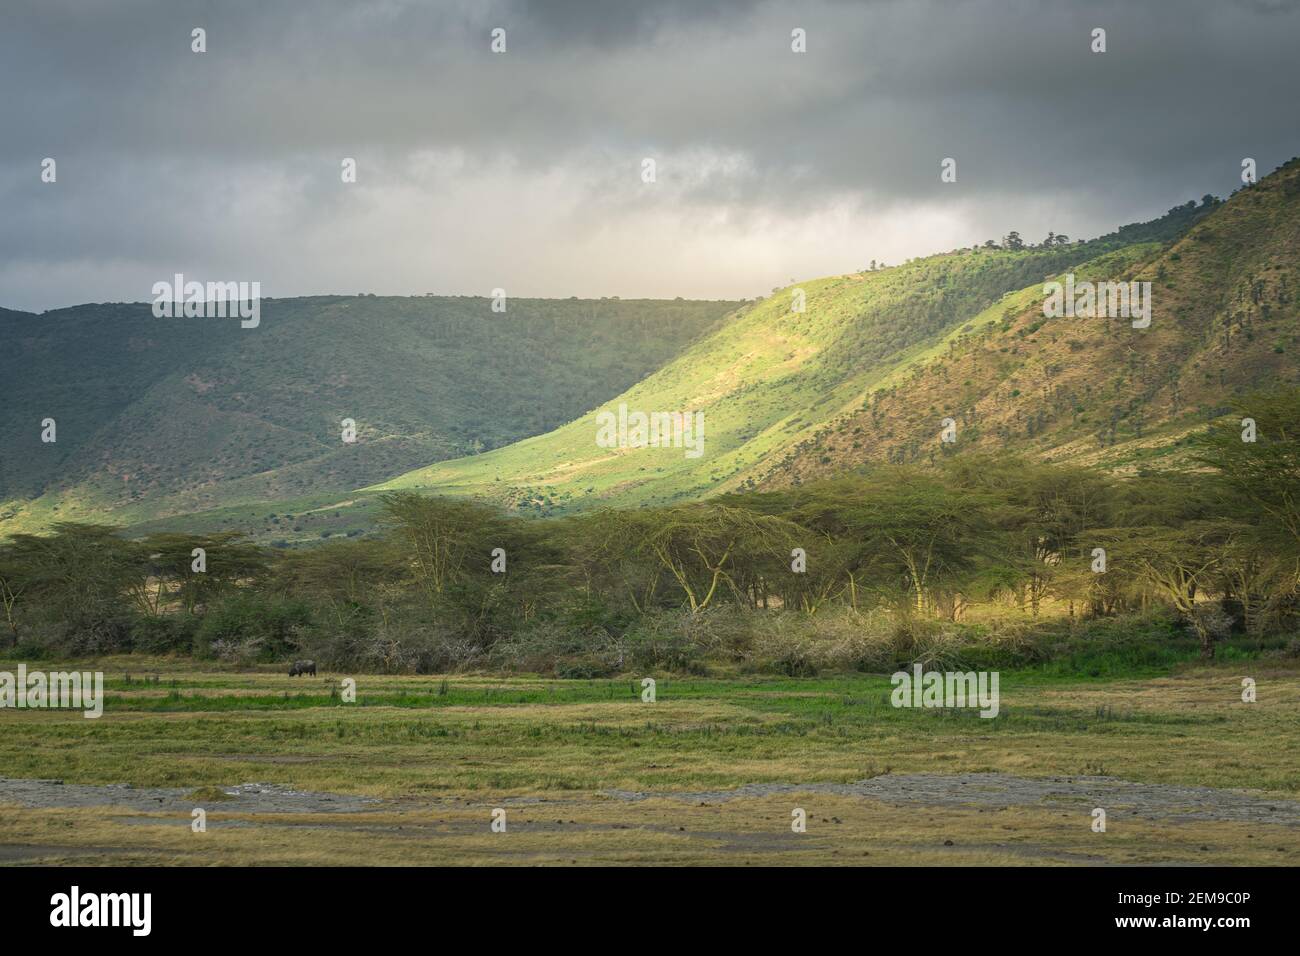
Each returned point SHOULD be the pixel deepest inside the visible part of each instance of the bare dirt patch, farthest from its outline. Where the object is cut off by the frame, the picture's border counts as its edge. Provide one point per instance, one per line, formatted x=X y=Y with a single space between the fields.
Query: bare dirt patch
x=243 y=798
x=1167 y=802
x=893 y=819
x=1152 y=801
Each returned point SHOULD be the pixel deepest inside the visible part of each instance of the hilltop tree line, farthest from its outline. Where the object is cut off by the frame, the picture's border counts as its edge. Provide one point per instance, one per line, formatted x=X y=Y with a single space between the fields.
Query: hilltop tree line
x=456 y=584
x=1174 y=222
x=1169 y=227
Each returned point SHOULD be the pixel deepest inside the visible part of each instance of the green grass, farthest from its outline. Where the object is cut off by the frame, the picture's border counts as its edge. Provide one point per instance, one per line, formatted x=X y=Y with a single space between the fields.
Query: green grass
x=722 y=724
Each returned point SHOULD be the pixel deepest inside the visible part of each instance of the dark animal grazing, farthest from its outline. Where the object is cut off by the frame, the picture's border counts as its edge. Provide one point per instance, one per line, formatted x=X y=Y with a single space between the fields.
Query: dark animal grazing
x=302 y=667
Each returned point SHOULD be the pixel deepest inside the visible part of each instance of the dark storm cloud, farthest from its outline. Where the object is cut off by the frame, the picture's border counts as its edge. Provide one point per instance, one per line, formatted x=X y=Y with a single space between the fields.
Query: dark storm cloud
x=474 y=164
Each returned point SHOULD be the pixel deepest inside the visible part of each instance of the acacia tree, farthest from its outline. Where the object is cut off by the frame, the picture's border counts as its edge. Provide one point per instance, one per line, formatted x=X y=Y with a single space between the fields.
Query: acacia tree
x=828 y=575
x=1262 y=475
x=921 y=532
x=80 y=572
x=604 y=556
x=343 y=578
x=166 y=573
x=1180 y=564
x=1039 y=514
x=13 y=583
x=703 y=547
x=441 y=536
x=449 y=547
x=1257 y=484
x=827 y=561
x=1258 y=583
x=842 y=560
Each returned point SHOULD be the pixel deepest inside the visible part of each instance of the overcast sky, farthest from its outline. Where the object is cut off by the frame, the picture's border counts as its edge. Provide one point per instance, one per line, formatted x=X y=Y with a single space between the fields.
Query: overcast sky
x=523 y=170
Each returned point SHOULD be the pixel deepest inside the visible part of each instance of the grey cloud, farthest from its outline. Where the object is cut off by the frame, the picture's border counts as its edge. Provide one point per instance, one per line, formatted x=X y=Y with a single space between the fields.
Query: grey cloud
x=158 y=147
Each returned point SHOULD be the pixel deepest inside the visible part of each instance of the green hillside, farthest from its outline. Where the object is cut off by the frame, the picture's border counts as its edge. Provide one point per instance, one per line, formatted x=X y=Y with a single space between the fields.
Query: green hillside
x=1225 y=322
x=159 y=417
x=879 y=358
x=865 y=374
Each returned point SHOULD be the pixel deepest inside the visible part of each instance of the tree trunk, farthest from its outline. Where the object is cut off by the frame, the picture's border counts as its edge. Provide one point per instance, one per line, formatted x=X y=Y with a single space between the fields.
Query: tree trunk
x=1207 y=644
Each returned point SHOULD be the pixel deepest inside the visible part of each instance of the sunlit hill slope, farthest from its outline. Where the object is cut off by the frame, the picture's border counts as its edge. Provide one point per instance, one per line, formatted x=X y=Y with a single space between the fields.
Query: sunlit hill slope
x=876 y=362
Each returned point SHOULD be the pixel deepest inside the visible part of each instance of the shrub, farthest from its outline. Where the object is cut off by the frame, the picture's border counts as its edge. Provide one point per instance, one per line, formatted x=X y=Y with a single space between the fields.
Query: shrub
x=670 y=641
x=248 y=627
x=164 y=635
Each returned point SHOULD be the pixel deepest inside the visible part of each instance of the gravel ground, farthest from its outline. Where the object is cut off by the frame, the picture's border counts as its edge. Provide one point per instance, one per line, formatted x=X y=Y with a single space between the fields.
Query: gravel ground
x=245 y=798
x=1149 y=800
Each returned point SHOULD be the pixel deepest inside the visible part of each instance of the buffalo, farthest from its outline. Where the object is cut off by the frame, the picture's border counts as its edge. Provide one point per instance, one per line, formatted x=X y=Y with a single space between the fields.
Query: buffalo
x=302 y=667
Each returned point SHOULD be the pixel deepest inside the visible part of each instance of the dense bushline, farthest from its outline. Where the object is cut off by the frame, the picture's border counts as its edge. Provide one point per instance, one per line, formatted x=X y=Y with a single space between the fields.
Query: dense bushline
x=977 y=561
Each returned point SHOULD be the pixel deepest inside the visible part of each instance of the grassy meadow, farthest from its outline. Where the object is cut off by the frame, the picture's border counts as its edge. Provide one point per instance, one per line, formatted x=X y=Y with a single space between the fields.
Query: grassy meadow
x=710 y=772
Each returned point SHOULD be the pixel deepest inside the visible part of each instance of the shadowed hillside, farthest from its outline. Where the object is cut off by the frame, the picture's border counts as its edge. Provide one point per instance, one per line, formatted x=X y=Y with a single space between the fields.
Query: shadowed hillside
x=161 y=416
